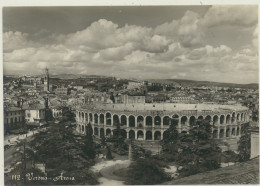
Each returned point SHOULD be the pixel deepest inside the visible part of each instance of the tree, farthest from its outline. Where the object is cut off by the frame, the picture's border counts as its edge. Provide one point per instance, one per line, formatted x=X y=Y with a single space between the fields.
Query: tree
x=61 y=152
x=103 y=140
x=171 y=137
x=67 y=115
x=244 y=144
x=89 y=145
x=146 y=171
x=119 y=144
x=48 y=115
x=199 y=151
x=109 y=154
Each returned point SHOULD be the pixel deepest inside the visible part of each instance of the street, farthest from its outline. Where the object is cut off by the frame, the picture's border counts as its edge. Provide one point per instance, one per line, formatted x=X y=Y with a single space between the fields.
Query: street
x=11 y=157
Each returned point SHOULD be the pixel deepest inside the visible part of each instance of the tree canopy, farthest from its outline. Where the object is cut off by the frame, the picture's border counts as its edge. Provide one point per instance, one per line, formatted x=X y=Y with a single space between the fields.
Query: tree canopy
x=244 y=144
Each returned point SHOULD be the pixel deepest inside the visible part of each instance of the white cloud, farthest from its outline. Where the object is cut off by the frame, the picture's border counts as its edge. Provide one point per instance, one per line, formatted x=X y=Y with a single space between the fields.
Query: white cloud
x=16 y=40
x=255 y=37
x=177 y=49
x=245 y=15
x=190 y=31
x=218 y=51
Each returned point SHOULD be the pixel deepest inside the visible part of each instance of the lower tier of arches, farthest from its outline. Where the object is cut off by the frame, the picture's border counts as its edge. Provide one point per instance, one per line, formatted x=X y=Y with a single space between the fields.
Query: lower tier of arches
x=156 y=134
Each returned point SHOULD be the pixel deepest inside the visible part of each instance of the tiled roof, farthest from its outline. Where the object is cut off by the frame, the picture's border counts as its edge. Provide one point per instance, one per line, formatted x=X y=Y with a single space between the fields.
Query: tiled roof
x=34 y=107
x=240 y=173
x=12 y=109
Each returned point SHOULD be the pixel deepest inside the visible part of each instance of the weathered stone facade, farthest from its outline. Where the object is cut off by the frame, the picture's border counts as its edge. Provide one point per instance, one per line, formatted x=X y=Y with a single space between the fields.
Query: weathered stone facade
x=150 y=121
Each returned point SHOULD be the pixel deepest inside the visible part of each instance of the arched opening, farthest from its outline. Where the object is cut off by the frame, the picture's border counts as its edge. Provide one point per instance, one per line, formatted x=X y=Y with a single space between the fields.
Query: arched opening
x=96 y=131
x=123 y=133
x=215 y=134
x=233 y=117
x=102 y=132
x=148 y=121
x=123 y=120
x=184 y=120
x=82 y=128
x=115 y=120
x=86 y=117
x=157 y=120
x=215 y=120
x=238 y=130
x=175 y=119
x=96 y=118
x=238 y=117
x=149 y=135
x=221 y=133
x=108 y=132
x=227 y=132
x=157 y=135
x=101 y=118
x=242 y=117
x=200 y=118
x=184 y=132
x=208 y=118
x=131 y=121
x=192 y=120
x=166 y=120
x=82 y=115
x=233 y=132
x=90 y=117
x=140 y=121
x=222 y=119
x=108 y=118
x=131 y=134
x=228 y=119
x=140 y=135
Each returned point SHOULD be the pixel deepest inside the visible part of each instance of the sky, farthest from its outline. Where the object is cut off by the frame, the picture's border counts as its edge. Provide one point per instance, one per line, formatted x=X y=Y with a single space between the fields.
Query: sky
x=213 y=43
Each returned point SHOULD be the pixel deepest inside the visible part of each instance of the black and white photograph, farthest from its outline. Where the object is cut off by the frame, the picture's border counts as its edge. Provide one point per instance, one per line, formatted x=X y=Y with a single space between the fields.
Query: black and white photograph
x=130 y=94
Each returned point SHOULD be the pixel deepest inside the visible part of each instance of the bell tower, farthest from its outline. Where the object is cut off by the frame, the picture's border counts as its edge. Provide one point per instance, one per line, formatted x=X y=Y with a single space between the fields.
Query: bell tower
x=46 y=80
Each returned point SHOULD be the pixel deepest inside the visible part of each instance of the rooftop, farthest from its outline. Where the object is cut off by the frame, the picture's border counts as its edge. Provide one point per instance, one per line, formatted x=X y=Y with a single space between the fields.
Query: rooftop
x=240 y=173
x=12 y=108
x=34 y=107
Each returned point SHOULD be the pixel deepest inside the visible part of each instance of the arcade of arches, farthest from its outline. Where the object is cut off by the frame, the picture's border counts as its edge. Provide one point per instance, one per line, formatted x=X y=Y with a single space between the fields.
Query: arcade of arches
x=153 y=127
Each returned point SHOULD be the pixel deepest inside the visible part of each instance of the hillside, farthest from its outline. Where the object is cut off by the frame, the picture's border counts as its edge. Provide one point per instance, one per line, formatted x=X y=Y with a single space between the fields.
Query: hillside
x=187 y=83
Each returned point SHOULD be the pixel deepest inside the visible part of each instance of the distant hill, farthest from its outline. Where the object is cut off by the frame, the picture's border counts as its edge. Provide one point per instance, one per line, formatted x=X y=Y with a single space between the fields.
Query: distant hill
x=75 y=76
x=184 y=83
x=175 y=82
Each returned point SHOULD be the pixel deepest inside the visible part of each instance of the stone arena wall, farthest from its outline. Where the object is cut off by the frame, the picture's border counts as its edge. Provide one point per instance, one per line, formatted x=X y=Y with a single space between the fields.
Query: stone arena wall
x=150 y=121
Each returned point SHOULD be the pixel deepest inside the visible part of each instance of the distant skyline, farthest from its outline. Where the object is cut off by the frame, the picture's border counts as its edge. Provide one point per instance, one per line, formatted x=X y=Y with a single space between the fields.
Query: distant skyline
x=204 y=43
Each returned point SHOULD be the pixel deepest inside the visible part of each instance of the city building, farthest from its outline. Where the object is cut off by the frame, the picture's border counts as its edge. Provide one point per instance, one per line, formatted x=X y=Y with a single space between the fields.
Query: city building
x=56 y=112
x=134 y=84
x=150 y=121
x=184 y=99
x=13 y=118
x=46 y=80
x=61 y=90
x=34 y=114
x=132 y=98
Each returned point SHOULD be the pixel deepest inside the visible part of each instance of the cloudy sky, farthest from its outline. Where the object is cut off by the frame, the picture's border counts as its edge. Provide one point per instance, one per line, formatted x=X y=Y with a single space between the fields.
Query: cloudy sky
x=214 y=43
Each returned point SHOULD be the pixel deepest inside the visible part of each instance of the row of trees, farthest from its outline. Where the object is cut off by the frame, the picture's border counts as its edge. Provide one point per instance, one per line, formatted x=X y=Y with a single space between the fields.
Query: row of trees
x=61 y=151
x=193 y=152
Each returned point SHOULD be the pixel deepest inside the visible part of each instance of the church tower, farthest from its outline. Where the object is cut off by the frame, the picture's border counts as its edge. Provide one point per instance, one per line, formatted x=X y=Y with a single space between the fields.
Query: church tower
x=46 y=80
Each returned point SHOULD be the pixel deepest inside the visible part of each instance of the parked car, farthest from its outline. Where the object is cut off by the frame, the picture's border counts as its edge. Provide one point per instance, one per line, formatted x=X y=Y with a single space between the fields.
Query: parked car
x=18 y=163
